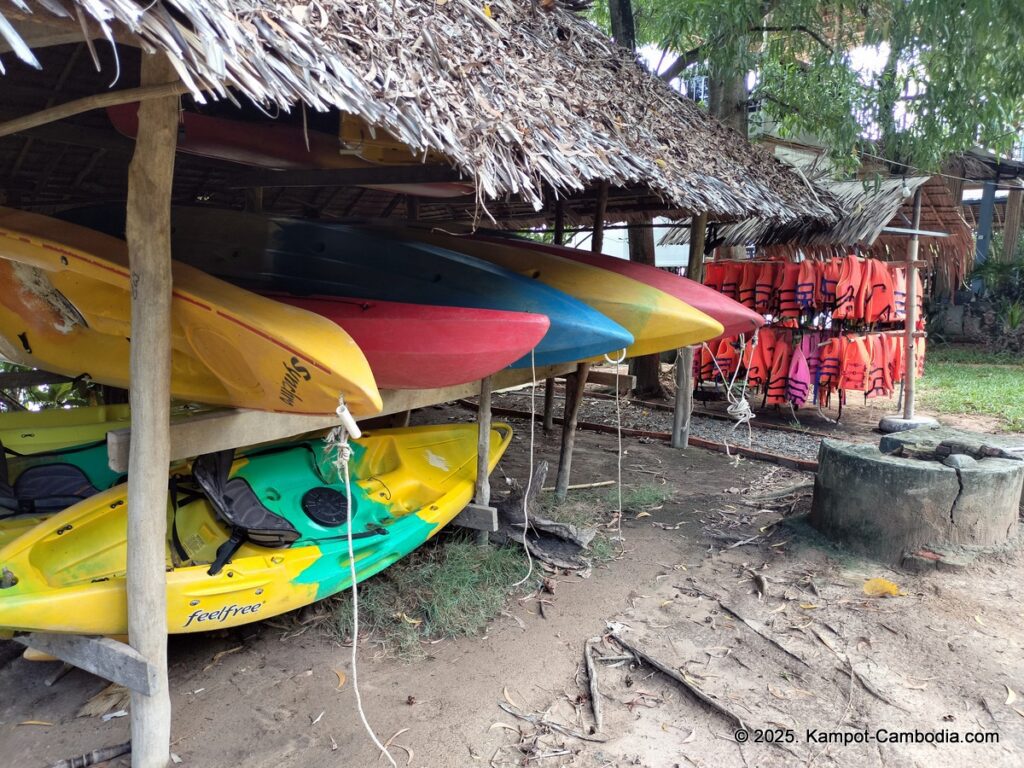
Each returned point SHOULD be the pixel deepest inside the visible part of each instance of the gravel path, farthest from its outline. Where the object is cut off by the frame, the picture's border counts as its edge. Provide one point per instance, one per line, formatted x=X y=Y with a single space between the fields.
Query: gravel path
x=779 y=442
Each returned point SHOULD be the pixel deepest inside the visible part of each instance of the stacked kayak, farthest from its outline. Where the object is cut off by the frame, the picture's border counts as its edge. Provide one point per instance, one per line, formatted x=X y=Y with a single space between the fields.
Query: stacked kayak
x=315 y=260
x=34 y=486
x=734 y=317
x=249 y=536
x=65 y=307
x=657 y=319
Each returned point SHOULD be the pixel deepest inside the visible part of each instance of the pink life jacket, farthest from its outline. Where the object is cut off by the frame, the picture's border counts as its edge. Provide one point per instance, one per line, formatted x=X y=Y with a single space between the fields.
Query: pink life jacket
x=799 y=385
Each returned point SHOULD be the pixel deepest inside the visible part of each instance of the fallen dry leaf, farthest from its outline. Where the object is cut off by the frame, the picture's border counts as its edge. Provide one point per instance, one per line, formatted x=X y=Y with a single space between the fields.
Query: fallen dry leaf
x=218 y=656
x=881 y=588
x=1011 y=696
x=341 y=678
x=35 y=722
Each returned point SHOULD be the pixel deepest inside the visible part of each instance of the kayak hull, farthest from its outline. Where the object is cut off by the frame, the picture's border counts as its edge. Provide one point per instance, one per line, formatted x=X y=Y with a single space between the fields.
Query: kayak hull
x=310 y=258
x=418 y=346
x=734 y=317
x=410 y=482
x=657 y=320
x=65 y=306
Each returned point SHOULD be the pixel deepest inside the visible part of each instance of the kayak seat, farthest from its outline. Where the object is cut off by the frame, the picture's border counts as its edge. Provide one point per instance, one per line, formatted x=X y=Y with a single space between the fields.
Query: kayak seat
x=240 y=508
x=325 y=506
x=45 y=488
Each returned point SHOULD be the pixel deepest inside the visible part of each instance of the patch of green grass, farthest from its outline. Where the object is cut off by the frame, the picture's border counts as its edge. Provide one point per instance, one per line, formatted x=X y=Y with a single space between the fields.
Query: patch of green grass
x=970 y=354
x=970 y=380
x=641 y=498
x=450 y=587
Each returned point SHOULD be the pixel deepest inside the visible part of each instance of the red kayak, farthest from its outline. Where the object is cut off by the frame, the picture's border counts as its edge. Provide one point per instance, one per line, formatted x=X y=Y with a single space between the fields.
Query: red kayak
x=279 y=146
x=733 y=316
x=419 y=346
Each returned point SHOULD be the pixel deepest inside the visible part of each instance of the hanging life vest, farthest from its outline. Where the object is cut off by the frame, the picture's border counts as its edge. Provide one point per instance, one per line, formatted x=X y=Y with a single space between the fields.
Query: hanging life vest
x=798 y=385
x=786 y=283
x=728 y=359
x=830 y=370
x=830 y=272
x=765 y=296
x=899 y=294
x=856 y=364
x=748 y=285
x=779 y=376
x=731 y=277
x=879 y=377
x=807 y=285
x=847 y=288
x=760 y=360
x=714 y=273
x=878 y=292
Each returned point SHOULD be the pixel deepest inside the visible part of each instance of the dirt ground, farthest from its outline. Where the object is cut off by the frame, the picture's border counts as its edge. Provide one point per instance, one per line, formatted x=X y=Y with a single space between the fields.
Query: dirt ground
x=740 y=600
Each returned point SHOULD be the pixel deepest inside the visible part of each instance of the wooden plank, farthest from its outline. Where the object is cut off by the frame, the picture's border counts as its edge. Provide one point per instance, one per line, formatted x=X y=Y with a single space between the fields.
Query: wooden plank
x=344 y=177
x=683 y=407
x=549 y=403
x=231 y=427
x=624 y=381
x=477 y=517
x=117 y=662
x=148 y=235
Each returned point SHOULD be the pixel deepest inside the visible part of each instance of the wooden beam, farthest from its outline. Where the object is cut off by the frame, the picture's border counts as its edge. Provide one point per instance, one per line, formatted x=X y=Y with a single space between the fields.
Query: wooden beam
x=1011 y=225
x=96 y=101
x=117 y=662
x=478 y=518
x=624 y=381
x=354 y=177
x=482 y=496
x=228 y=428
x=908 y=355
x=148 y=234
x=600 y=211
x=575 y=384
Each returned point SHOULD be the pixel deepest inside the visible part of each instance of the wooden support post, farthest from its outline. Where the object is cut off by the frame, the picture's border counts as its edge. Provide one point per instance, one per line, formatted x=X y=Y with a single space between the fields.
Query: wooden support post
x=549 y=404
x=412 y=208
x=908 y=376
x=483 y=453
x=575 y=383
x=1011 y=223
x=597 y=240
x=148 y=233
x=254 y=200
x=684 y=361
x=559 y=222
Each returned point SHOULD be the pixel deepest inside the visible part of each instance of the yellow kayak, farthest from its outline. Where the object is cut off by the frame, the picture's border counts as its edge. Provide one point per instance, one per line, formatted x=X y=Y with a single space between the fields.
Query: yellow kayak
x=249 y=537
x=65 y=307
x=54 y=428
x=658 y=321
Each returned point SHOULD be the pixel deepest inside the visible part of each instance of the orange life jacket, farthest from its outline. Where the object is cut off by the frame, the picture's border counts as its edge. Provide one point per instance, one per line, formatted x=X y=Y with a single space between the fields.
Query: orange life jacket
x=703 y=365
x=765 y=297
x=786 y=281
x=748 y=285
x=807 y=285
x=879 y=377
x=830 y=273
x=899 y=293
x=848 y=306
x=731 y=277
x=831 y=368
x=779 y=376
x=896 y=363
x=878 y=291
x=920 y=303
x=714 y=273
x=727 y=357
x=856 y=364
x=760 y=358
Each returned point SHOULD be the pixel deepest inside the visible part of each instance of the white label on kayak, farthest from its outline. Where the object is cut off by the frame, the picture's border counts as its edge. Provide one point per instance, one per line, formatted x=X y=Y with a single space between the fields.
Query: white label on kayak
x=436 y=461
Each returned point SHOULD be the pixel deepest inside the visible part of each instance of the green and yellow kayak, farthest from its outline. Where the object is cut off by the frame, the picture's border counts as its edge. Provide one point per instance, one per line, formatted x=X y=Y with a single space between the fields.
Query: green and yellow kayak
x=250 y=536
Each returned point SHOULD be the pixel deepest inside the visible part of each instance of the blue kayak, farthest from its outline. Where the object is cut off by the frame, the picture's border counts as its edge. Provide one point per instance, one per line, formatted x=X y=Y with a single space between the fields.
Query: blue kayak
x=308 y=258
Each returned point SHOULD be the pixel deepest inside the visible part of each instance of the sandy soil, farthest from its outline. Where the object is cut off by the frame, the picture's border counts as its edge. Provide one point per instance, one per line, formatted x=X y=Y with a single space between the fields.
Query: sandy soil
x=825 y=656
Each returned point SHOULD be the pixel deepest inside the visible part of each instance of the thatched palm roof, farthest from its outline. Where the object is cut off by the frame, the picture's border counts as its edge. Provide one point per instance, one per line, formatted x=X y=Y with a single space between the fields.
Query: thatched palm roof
x=520 y=99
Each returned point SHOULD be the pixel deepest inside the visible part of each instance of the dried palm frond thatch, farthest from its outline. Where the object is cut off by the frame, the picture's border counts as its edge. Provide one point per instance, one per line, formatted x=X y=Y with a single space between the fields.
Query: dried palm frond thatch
x=523 y=99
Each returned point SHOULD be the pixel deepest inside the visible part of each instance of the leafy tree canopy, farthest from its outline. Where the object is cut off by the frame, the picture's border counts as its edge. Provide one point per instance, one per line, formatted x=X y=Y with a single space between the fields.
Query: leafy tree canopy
x=909 y=80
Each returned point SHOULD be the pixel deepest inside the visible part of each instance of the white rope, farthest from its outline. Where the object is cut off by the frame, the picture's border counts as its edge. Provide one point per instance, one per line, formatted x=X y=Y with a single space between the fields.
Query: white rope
x=618 y=423
x=337 y=441
x=529 y=477
x=739 y=407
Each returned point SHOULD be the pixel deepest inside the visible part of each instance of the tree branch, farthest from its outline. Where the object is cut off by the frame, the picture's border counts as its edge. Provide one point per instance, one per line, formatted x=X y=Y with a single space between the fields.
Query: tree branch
x=682 y=62
x=797 y=28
